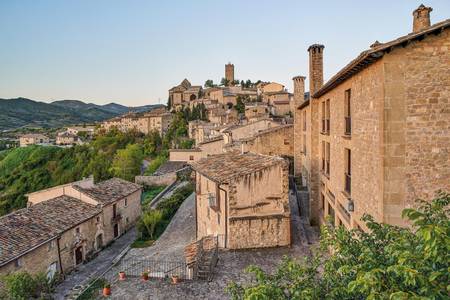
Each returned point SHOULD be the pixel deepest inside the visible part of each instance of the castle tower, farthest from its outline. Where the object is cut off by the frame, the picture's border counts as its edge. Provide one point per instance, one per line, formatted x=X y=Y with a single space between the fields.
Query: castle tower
x=421 y=18
x=229 y=73
x=315 y=67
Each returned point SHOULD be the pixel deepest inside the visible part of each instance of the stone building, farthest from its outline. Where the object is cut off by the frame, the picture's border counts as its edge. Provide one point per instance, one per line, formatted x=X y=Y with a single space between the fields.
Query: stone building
x=76 y=130
x=186 y=155
x=255 y=111
x=33 y=139
x=183 y=93
x=277 y=140
x=65 y=225
x=158 y=120
x=66 y=138
x=377 y=133
x=237 y=198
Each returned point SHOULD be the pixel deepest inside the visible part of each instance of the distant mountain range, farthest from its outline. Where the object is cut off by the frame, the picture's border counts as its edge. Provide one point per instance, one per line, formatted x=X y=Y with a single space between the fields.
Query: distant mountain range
x=22 y=112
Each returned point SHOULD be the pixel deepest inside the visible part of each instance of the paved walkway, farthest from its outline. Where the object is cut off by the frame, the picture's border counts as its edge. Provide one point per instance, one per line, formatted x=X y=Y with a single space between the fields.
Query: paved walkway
x=86 y=272
x=230 y=267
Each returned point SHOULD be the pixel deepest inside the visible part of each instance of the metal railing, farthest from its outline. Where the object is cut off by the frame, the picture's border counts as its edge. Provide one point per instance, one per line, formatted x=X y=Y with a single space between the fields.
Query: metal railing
x=348 y=125
x=156 y=268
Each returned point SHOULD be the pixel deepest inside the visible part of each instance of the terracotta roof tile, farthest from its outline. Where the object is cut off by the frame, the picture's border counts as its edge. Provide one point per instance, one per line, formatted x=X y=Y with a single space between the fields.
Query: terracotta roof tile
x=27 y=228
x=223 y=167
x=110 y=190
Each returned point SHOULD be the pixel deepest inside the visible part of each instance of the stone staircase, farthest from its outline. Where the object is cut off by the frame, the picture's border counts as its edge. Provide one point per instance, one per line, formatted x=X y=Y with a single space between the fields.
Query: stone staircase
x=202 y=256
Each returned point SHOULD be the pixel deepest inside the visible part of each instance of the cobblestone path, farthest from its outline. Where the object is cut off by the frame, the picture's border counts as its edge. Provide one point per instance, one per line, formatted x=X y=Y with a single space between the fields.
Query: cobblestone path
x=230 y=267
x=83 y=274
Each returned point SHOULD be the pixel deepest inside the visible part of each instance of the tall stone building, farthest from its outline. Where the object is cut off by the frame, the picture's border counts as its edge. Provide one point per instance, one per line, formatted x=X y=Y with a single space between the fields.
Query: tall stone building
x=238 y=198
x=377 y=133
x=229 y=73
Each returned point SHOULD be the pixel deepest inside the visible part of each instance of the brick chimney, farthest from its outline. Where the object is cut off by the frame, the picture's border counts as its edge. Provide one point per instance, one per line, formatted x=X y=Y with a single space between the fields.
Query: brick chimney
x=315 y=67
x=299 y=89
x=421 y=18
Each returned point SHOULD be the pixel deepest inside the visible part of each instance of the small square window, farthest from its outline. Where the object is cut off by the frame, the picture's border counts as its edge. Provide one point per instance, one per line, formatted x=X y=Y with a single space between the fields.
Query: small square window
x=191 y=157
x=77 y=230
x=126 y=202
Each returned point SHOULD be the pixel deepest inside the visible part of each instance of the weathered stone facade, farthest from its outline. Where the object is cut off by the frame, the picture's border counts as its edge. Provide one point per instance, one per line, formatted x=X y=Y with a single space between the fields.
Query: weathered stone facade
x=274 y=141
x=64 y=225
x=244 y=204
x=380 y=130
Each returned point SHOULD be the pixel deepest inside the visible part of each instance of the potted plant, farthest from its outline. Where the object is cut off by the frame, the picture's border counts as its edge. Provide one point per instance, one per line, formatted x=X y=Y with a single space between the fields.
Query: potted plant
x=122 y=275
x=107 y=289
x=144 y=276
x=175 y=279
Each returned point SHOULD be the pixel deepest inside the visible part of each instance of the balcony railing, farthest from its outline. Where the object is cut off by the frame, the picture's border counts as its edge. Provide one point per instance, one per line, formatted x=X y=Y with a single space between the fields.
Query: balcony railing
x=348 y=183
x=348 y=125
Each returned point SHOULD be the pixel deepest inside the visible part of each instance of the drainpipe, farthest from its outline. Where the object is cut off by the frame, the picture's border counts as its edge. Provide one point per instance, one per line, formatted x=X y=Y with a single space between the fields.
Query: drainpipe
x=226 y=216
x=59 y=257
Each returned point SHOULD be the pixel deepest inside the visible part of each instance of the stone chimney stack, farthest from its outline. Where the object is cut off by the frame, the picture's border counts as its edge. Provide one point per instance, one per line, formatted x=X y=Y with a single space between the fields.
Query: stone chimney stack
x=315 y=67
x=299 y=89
x=229 y=73
x=421 y=18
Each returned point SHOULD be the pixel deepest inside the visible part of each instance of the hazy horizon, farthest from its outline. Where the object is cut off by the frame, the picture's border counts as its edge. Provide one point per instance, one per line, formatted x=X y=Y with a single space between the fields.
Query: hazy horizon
x=131 y=53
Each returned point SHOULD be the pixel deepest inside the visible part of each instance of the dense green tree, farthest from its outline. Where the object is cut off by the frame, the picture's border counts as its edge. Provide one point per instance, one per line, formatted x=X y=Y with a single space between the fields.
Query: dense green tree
x=224 y=82
x=127 y=162
x=152 y=143
x=388 y=262
x=209 y=83
x=240 y=106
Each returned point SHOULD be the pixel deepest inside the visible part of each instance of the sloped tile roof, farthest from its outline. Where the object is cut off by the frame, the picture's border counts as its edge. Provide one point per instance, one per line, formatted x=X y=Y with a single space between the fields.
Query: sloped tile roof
x=223 y=167
x=378 y=50
x=110 y=190
x=28 y=228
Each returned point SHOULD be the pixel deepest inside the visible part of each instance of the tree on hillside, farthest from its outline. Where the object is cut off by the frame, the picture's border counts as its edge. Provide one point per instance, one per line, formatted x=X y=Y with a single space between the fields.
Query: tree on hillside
x=388 y=262
x=224 y=82
x=152 y=143
x=209 y=83
x=240 y=106
x=127 y=162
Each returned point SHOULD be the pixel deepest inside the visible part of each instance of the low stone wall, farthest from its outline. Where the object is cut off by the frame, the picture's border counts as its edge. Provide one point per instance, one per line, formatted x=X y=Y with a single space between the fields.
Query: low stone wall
x=259 y=232
x=165 y=179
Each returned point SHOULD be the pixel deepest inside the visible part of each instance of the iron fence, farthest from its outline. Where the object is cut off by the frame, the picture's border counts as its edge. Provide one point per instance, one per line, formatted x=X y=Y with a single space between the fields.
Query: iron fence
x=156 y=268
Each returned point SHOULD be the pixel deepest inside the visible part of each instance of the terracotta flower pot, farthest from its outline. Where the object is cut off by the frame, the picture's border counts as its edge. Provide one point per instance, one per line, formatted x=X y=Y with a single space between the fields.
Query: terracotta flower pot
x=122 y=276
x=175 y=279
x=106 y=291
x=144 y=276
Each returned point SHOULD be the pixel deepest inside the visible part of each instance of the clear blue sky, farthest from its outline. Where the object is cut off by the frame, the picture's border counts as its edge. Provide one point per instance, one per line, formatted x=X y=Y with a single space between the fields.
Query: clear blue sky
x=132 y=52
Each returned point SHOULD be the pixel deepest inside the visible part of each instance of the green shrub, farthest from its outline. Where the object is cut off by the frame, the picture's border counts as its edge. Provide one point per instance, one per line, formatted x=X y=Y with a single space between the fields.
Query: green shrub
x=22 y=285
x=388 y=262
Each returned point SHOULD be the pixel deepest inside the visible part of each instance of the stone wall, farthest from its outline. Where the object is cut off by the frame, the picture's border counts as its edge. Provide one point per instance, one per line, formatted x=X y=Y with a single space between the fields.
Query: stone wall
x=165 y=179
x=417 y=123
x=257 y=232
x=276 y=141
x=365 y=143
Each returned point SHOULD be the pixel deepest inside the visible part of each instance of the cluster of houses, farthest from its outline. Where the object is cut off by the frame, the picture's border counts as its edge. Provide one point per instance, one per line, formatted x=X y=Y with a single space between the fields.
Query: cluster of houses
x=371 y=140
x=64 y=226
x=74 y=135
x=158 y=120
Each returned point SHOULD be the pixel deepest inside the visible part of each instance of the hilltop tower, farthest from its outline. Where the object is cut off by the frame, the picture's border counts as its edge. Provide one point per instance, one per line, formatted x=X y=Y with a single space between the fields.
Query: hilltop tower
x=315 y=67
x=229 y=73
